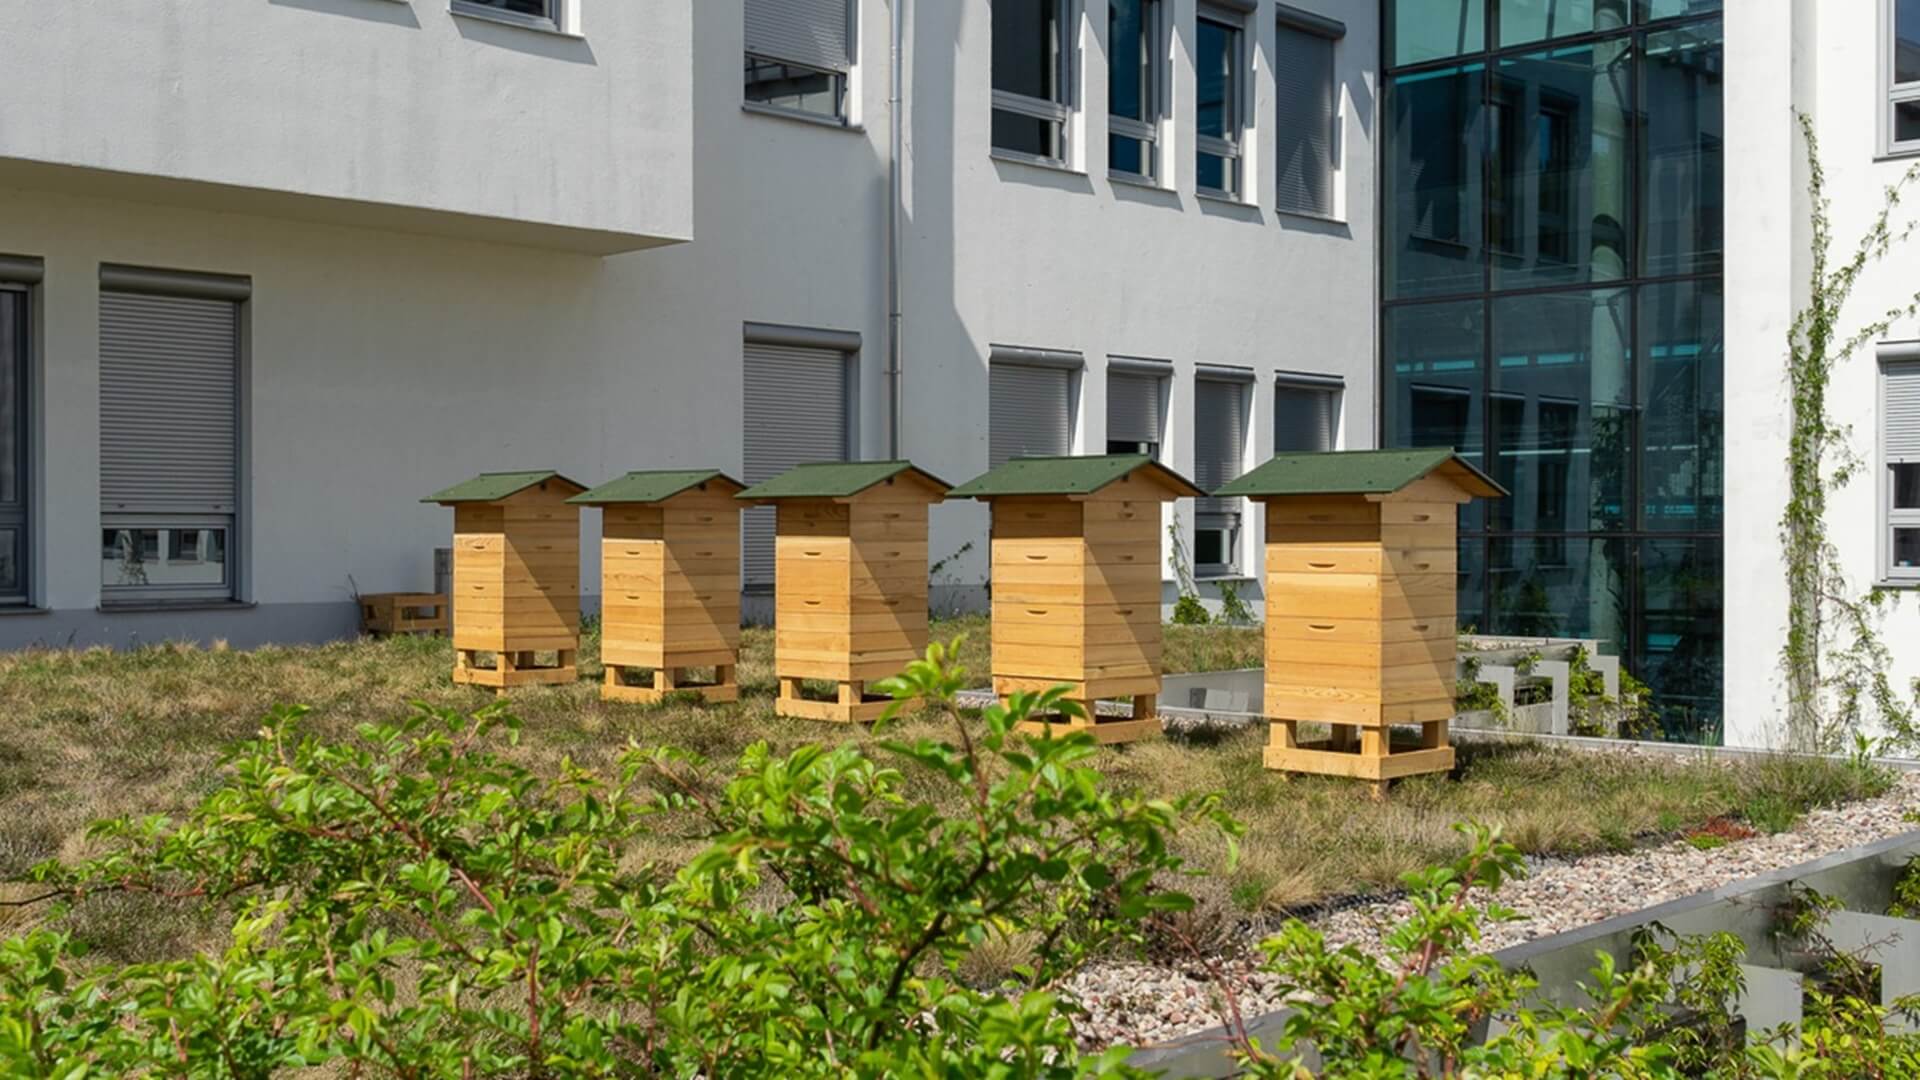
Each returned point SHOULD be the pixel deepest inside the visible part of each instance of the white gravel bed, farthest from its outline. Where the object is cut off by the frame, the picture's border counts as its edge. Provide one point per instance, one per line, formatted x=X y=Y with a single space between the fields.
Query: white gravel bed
x=1143 y=1004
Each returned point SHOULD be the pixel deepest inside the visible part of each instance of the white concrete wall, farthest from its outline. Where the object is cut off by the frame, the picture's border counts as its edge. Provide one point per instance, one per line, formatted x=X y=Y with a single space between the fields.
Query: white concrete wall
x=388 y=103
x=387 y=364
x=1820 y=58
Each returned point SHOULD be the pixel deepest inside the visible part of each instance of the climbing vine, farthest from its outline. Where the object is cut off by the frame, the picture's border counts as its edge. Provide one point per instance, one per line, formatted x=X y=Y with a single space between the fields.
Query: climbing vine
x=1836 y=665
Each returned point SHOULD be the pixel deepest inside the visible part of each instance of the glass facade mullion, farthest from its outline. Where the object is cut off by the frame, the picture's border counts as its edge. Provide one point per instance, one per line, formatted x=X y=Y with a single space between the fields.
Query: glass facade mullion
x=1551 y=252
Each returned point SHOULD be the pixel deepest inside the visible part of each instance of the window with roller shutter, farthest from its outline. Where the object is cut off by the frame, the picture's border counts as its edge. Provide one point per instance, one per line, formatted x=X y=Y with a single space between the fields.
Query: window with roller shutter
x=1900 y=449
x=1219 y=455
x=1136 y=410
x=1030 y=412
x=1306 y=416
x=1306 y=102
x=798 y=55
x=796 y=412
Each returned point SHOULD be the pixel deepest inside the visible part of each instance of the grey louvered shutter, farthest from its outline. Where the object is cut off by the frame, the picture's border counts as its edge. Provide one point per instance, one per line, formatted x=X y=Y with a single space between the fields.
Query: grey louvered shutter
x=1304 y=93
x=796 y=412
x=812 y=33
x=1903 y=412
x=1030 y=413
x=1219 y=439
x=1302 y=419
x=1133 y=408
x=169 y=378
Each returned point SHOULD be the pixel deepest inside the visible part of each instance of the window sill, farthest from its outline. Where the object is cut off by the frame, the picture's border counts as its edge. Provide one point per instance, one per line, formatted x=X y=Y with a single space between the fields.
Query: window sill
x=1224 y=199
x=538 y=26
x=1014 y=157
x=139 y=606
x=1908 y=584
x=1319 y=219
x=1135 y=180
x=23 y=609
x=812 y=119
x=1209 y=578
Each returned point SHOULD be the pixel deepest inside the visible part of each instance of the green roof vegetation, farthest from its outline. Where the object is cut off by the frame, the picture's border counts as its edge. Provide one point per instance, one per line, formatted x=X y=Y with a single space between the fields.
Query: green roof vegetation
x=651 y=487
x=1066 y=476
x=1355 y=472
x=834 y=480
x=494 y=486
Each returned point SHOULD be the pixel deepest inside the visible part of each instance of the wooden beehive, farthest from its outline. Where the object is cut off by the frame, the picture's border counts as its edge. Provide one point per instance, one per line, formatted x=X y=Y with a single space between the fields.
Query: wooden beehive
x=850 y=581
x=1076 y=583
x=670 y=583
x=402 y=614
x=516 y=578
x=1361 y=597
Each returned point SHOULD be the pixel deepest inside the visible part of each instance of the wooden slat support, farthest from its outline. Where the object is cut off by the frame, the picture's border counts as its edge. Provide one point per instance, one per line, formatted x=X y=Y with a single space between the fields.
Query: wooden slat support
x=644 y=686
x=511 y=669
x=849 y=703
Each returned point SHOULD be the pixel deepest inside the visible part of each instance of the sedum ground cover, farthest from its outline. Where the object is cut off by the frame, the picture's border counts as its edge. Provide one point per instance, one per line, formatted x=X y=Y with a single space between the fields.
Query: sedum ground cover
x=94 y=734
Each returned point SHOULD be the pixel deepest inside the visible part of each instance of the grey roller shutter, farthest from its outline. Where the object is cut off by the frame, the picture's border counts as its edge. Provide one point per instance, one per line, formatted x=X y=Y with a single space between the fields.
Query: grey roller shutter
x=1219 y=439
x=1133 y=408
x=812 y=33
x=1304 y=93
x=169 y=383
x=1030 y=413
x=1302 y=419
x=1903 y=412
x=796 y=412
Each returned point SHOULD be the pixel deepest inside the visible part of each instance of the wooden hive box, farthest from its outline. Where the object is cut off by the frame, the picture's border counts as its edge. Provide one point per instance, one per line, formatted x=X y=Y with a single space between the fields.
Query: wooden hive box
x=850 y=580
x=670 y=583
x=516 y=577
x=1076 y=583
x=1361 y=597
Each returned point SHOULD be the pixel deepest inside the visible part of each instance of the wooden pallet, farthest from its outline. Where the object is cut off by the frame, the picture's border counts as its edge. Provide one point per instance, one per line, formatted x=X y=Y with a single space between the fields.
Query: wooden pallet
x=387 y=614
x=647 y=686
x=851 y=704
x=513 y=669
x=1360 y=752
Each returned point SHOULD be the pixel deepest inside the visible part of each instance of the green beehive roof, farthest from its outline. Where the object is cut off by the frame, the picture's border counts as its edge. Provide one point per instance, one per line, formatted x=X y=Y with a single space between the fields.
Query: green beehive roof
x=494 y=486
x=1066 y=476
x=651 y=487
x=1357 y=472
x=835 y=480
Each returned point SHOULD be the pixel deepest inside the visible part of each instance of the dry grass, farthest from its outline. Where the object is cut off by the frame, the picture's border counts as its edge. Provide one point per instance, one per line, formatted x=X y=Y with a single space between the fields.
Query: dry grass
x=99 y=734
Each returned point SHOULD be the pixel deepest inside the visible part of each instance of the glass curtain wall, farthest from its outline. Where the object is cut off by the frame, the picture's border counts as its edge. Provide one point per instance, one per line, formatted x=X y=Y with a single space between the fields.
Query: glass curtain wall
x=1551 y=264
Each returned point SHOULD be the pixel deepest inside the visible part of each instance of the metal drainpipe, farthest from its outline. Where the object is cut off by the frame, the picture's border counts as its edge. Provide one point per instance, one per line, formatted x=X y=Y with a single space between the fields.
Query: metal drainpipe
x=895 y=213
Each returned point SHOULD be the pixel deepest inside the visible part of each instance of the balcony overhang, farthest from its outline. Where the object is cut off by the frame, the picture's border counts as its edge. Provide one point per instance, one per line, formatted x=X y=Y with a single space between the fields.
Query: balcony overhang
x=88 y=181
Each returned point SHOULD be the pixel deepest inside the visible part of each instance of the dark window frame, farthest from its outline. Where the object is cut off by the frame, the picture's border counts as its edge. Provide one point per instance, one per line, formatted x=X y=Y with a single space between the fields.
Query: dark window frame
x=1057 y=111
x=17 y=516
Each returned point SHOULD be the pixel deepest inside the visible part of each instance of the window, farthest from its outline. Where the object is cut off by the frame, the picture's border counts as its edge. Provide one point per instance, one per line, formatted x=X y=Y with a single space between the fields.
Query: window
x=1306 y=414
x=1032 y=70
x=1136 y=407
x=797 y=410
x=1307 y=103
x=1030 y=404
x=798 y=55
x=1900 y=58
x=13 y=429
x=1900 y=445
x=1219 y=60
x=1136 y=71
x=1219 y=453
x=170 y=435
x=537 y=14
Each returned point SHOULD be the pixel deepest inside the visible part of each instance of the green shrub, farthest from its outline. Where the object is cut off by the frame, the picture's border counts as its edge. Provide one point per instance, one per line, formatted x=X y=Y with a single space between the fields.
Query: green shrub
x=1189 y=611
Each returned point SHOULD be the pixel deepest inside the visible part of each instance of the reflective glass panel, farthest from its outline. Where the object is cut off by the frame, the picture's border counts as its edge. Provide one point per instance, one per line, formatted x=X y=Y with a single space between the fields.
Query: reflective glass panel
x=1562 y=175
x=1906 y=487
x=142 y=558
x=1433 y=183
x=1679 y=648
x=1434 y=29
x=11 y=563
x=1681 y=151
x=1906 y=41
x=1129 y=59
x=1472 y=611
x=1906 y=549
x=1682 y=366
x=1026 y=134
x=1523 y=21
x=1434 y=390
x=1025 y=48
x=1217 y=101
x=1672 y=9
x=1558 y=586
x=539 y=8
x=789 y=86
x=1561 y=403
x=1906 y=121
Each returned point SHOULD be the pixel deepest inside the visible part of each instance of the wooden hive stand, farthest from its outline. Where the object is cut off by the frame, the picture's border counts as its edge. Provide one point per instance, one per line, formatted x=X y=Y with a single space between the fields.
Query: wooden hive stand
x=392 y=614
x=670 y=584
x=850 y=581
x=1076 y=584
x=1361 y=597
x=516 y=578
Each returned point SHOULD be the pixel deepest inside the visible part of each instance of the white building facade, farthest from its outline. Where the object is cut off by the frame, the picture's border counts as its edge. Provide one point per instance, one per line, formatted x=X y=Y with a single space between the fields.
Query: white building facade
x=271 y=272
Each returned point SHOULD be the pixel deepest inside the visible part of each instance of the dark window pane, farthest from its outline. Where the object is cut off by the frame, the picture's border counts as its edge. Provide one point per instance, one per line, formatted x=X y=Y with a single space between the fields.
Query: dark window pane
x=1668 y=9
x=1216 y=68
x=1682 y=347
x=1433 y=186
x=1210 y=547
x=1559 y=587
x=1522 y=21
x=1561 y=174
x=12 y=385
x=1214 y=173
x=1562 y=411
x=1906 y=41
x=1679 y=654
x=1127 y=155
x=1026 y=58
x=538 y=8
x=1906 y=487
x=1025 y=134
x=1681 y=166
x=1303 y=420
x=1129 y=58
x=1434 y=390
x=11 y=563
x=1906 y=121
x=1906 y=549
x=1472 y=611
x=770 y=82
x=1432 y=29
